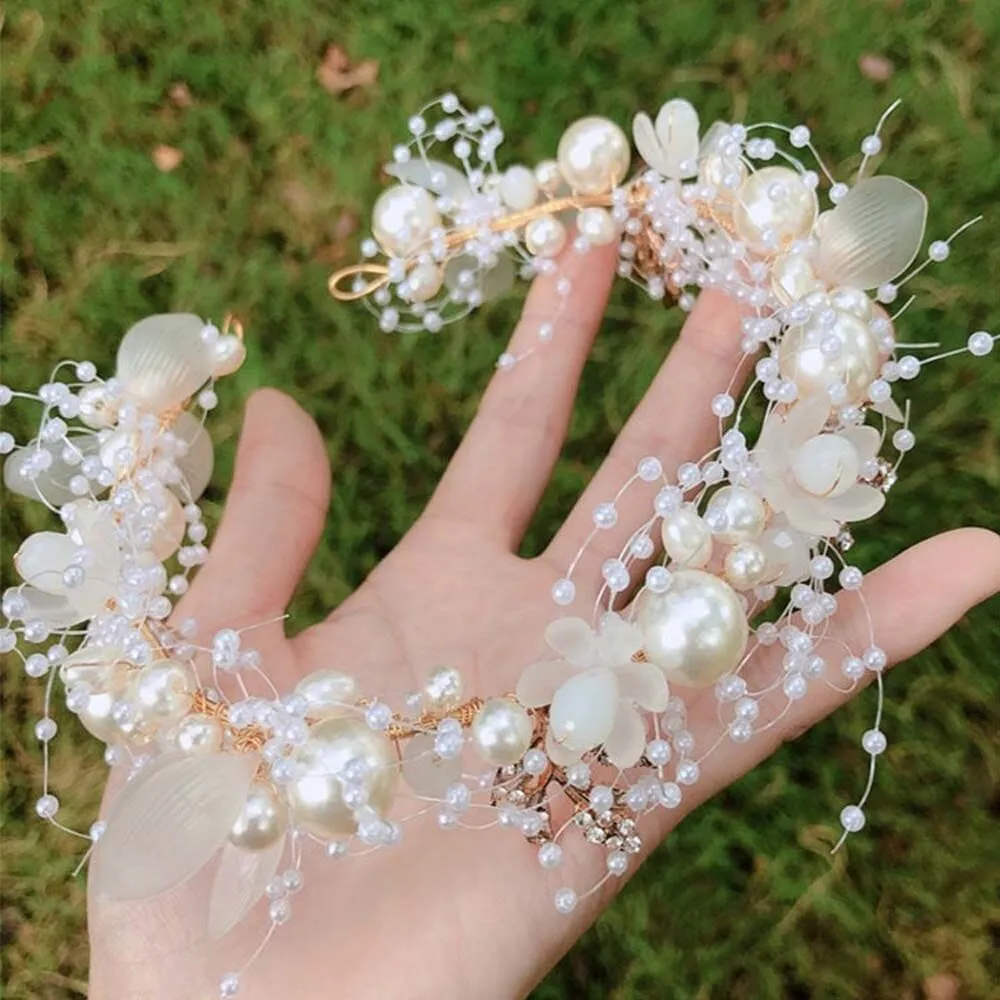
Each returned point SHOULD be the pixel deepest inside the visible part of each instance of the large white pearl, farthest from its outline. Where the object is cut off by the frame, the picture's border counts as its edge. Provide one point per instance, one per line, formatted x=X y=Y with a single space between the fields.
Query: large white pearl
x=263 y=819
x=549 y=176
x=545 y=236
x=793 y=278
x=101 y=669
x=316 y=799
x=583 y=710
x=501 y=731
x=826 y=465
x=744 y=513
x=593 y=155
x=327 y=692
x=774 y=201
x=228 y=353
x=696 y=630
x=519 y=188
x=424 y=282
x=163 y=690
x=443 y=689
x=686 y=538
x=198 y=734
x=854 y=301
x=802 y=359
x=403 y=218
x=746 y=565
x=597 y=225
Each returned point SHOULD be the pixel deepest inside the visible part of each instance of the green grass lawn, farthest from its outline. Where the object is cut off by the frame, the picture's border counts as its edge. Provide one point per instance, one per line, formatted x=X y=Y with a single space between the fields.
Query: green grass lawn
x=274 y=179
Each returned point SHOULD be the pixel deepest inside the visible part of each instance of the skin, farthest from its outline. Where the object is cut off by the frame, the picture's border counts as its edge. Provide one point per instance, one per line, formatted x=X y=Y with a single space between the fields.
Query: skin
x=462 y=913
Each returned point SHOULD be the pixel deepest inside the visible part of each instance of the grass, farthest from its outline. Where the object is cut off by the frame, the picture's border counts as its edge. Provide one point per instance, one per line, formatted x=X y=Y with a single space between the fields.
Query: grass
x=277 y=174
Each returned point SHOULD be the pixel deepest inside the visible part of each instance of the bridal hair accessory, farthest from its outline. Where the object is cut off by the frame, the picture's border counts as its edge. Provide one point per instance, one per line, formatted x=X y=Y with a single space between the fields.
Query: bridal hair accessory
x=726 y=584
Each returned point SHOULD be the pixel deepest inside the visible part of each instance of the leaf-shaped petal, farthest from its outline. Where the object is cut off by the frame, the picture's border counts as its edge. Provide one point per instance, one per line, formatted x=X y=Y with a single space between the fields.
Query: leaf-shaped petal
x=872 y=236
x=51 y=485
x=539 y=682
x=425 y=772
x=240 y=881
x=434 y=176
x=618 y=642
x=573 y=639
x=54 y=609
x=627 y=741
x=677 y=129
x=168 y=822
x=889 y=408
x=491 y=283
x=560 y=755
x=196 y=465
x=866 y=441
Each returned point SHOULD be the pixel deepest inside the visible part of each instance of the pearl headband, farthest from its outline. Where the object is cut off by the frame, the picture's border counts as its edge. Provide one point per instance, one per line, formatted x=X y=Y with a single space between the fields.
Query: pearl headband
x=731 y=563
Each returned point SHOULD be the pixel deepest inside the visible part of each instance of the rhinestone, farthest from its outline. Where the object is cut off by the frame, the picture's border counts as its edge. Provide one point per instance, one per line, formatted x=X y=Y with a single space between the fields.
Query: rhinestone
x=596 y=835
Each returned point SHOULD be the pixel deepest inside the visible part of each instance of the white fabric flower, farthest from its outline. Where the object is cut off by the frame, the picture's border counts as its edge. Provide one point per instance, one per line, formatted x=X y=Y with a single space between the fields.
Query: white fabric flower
x=593 y=690
x=670 y=146
x=812 y=476
x=89 y=541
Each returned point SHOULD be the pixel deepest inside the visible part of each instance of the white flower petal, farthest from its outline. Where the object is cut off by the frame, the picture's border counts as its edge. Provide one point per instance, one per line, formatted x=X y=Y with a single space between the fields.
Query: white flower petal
x=491 y=283
x=539 y=682
x=573 y=639
x=52 y=485
x=811 y=516
x=163 y=361
x=889 y=408
x=55 y=610
x=677 y=130
x=857 y=504
x=455 y=184
x=645 y=684
x=196 y=466
x=646 y=142
x=804 y=421
x=168 y=822
x=627 y=741
x=873 y=234
x=866 y=441
x=240 y=881
x=582 y=713
x=425 y=772
x=560 y=755
x=618 y=641
x=43 y=558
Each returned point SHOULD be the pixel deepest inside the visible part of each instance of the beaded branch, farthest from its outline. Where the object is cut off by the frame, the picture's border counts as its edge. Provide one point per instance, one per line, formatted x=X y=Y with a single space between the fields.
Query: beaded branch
x=725 y=584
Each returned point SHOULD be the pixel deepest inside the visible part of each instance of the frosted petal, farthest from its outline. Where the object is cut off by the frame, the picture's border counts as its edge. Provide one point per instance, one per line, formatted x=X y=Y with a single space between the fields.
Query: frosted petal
x=168 y=822
x=644 y=684
x=872 y=236
x=811 y=516
x=627 y=741
x=646 y=142
x=427 y=774
x=582 y=713
x=52 y=485
x=53 y=609
x=196 y=466
x=162 y=360
x=857 y=504
x=42 y=559
x=866 y=441
x=491 y=283
x=677 y=129
x=573 y=639
x=805 y=420
x=240 y=881
x=619 y=641
x=889 y=408
x=540 y=681
x=455 y=184
x=560 y=755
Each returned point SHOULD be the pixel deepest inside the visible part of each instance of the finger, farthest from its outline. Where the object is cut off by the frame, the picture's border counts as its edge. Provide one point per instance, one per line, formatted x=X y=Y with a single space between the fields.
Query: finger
x=673 y=423
x=911 y=601
x=273 y=519
x=502 y=466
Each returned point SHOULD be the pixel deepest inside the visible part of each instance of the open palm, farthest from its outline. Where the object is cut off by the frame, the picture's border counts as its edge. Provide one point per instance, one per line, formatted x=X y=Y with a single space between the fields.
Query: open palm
x=460 y=913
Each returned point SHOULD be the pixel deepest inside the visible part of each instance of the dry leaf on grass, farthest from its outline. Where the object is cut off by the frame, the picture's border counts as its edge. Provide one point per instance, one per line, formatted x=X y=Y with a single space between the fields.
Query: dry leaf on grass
x=942 y=986
x=876 y=67
x=180 y=95
x=337 y=74
x=167 y=158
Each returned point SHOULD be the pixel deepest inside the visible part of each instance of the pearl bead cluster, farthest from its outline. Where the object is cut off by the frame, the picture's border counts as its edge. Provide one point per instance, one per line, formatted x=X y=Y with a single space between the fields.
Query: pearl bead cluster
x=725 y=586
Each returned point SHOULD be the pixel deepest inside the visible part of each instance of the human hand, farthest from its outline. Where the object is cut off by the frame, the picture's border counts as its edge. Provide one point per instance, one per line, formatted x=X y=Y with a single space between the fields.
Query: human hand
x=461 y=913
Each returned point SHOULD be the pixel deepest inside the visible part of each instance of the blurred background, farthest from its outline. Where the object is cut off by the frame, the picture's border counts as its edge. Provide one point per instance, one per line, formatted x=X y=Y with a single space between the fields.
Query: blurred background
x=214 y=157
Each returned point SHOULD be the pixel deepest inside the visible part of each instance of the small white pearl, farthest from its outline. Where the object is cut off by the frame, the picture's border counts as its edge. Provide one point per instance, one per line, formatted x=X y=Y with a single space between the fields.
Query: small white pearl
x=938 y=251
x=563 y=592
x=548 y=176
x=617 y=863
x=903 y=440
x=649 y=469
x=605 y=515
x=565 y=900
x=852 y=819
x=874 y=742
x=980 y=343
x=47 y=806
x=550 y=855
x=871 y=145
